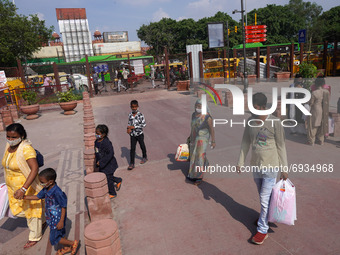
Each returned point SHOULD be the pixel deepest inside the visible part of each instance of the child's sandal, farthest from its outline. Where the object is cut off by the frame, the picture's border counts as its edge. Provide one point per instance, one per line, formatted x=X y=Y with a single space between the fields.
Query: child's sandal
x=75 y=247
x=64 y=250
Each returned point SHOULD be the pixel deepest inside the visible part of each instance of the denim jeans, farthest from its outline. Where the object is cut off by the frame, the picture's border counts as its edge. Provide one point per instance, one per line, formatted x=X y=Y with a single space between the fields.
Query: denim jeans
x=264 y=187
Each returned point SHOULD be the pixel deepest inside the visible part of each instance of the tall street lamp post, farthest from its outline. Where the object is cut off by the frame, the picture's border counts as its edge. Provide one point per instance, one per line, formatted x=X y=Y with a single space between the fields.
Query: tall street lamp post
x=245 y=79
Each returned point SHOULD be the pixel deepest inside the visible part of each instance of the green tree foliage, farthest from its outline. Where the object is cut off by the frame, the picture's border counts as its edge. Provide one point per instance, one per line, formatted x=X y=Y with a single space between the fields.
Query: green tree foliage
x=328 y=25
x=175 y=35
x=20 y=35
x=283 y=24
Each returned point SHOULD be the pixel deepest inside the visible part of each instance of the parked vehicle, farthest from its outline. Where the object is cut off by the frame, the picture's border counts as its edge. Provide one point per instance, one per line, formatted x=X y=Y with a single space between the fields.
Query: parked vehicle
x=79 y=79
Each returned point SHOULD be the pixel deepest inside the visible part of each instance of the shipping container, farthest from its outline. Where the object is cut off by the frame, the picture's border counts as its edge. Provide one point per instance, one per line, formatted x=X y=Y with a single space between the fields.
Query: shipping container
x=71 y=13
x=119 y=36
x=122 y=47
x=49 y=52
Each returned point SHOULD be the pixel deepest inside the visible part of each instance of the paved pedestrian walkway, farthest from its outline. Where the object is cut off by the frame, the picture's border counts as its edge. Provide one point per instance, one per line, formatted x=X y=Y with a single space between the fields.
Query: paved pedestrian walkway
x=157 y=211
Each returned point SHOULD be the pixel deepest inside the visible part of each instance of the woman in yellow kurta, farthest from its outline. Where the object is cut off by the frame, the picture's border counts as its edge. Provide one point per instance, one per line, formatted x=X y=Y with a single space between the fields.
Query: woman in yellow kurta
x=21 y=171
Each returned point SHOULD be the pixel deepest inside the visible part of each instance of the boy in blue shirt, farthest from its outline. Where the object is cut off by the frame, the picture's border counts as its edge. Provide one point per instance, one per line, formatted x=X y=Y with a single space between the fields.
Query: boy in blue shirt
x=55 y=210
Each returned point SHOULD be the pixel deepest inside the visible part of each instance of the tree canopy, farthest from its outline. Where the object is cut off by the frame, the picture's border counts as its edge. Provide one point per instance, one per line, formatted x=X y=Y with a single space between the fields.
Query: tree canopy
x=283 y=24
x=20 y=35
x=174 y=35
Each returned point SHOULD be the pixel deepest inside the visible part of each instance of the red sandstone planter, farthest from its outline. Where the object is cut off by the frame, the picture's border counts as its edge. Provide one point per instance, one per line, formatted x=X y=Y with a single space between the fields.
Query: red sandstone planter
x=282 y=76
x=68 y=107
x=252 y=78
x=31 y=111
x=183 y=85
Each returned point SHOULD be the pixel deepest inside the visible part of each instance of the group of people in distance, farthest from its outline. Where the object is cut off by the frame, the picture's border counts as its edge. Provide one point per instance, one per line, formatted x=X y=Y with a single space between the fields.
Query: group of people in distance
x=315 y=126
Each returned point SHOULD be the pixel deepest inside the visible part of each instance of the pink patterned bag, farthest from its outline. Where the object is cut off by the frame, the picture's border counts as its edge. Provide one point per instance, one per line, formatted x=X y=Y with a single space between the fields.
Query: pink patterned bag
x=282 y=208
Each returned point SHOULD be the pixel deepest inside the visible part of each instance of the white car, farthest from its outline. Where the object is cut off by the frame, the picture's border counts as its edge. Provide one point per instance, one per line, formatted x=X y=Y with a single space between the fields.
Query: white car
x=80 y=81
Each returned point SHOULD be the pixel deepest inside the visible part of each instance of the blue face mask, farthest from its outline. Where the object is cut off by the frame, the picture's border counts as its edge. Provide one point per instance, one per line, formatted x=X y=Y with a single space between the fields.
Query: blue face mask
x=98 y=136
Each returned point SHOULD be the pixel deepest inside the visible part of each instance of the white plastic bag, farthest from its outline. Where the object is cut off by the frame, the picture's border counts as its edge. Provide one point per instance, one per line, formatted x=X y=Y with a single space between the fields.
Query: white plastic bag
x=3 y=200
x=282 y=208
x=182 y=153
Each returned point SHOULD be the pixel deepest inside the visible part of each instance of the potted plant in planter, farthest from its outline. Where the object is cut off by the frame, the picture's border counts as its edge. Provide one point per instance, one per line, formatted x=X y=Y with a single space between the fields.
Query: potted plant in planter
x=308 y=72
x=30 y=106
x=183 y=82
x=67 y=101
x=282 y=75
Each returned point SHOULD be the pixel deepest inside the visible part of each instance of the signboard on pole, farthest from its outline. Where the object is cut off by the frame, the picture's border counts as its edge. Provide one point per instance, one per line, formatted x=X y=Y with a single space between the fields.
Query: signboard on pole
x=3 y=79
x=216 y=35
x=256 y=40
x=258 y=31
x=138 y=66
x=302 y=35
x=255 y=27
x=250 y=36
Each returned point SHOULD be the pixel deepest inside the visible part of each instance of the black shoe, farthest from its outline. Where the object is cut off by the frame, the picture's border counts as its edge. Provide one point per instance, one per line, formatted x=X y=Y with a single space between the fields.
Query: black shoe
x=144 y=160
x=131 y=166
x=119 y=184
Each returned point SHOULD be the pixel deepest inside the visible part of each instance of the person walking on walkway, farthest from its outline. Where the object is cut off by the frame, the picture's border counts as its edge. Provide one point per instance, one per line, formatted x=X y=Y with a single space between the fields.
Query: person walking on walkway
x=125 y=74
x=152 y=76
x=95 y=82
x=201 y=131
x=135 y=127
x=120 y=77
x=294 y=112
x=55 y=211
x=103 y=80
x=21 y=175
x=317 y=123
x=267 y=141
x=105 y=159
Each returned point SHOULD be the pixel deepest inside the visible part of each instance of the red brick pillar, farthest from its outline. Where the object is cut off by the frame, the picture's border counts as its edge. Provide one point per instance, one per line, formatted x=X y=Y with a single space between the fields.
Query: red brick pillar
x=97 y=193
x=102 y=238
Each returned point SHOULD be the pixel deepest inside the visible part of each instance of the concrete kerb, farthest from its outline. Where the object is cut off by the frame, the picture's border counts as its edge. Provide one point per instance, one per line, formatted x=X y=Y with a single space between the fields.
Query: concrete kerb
x=99 y=239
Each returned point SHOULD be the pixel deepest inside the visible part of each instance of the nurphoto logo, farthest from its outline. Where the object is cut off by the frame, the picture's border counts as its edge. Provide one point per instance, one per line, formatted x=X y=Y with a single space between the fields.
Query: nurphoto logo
x=238 y=105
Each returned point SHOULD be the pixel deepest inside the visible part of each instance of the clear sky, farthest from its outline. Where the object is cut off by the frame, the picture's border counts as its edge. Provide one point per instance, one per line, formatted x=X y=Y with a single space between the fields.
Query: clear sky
x=129 y=15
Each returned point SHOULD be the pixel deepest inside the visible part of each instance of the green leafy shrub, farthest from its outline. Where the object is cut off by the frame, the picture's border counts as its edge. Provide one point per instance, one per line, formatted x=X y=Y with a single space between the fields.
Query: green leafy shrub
x=29 y=96
x=67 y=96
x=307 y=70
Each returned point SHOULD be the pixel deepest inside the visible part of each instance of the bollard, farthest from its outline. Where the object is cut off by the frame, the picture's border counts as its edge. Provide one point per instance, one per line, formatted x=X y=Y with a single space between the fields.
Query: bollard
x=89 y=157
x=2 y=124
x=336 y=119
x=14 y=112
x=102 y=238
x=89 y=140
x=97 y=194
x=6 y=116
x=89 y=127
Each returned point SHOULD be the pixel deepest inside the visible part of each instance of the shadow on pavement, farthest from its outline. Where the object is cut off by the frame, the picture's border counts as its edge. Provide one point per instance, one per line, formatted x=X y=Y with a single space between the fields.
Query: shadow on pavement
x=177 y=165
x=125 y=153
x=239 y=212
x=11 y=228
